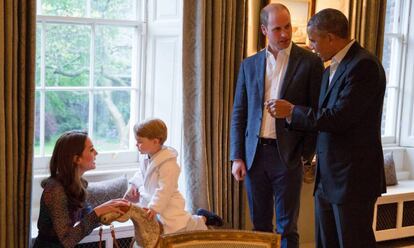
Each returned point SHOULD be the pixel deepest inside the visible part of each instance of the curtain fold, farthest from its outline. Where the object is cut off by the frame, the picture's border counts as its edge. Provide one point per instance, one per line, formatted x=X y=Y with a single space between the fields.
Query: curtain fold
x=17 y=67
x=261 y=43
x=255 y=40
x=213 y=47
x=367 y=20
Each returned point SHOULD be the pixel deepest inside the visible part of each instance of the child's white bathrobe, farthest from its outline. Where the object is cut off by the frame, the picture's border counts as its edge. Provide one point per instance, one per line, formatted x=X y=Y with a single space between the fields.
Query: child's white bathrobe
x=160 y=189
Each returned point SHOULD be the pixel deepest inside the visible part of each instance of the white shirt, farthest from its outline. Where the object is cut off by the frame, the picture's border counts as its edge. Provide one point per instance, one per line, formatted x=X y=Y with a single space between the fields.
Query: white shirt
x=275 y=73
x=336 y=60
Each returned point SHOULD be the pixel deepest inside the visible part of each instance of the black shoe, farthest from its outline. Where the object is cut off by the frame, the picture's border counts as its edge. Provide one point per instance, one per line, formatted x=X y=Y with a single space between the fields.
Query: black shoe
x=212 y=219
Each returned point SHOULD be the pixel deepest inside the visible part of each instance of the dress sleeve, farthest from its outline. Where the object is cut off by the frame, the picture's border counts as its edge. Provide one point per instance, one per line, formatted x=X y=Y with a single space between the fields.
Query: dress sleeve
x=68 y=232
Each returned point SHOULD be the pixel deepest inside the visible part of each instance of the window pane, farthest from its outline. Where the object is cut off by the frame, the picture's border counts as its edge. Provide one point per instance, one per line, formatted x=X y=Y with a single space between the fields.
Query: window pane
x=390 y=16
x=386 y=55
x=113 y=56
x=37 y=125
x=389 y=115
x=114 y=9
x=111 y=125
x=67 y=55
x=74 y=8
x=64 y=111
x=384 y=114
x=38 y=52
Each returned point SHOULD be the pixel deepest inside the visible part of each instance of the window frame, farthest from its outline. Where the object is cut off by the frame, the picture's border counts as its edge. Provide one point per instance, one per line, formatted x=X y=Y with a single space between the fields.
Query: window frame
x=107 y=160
x=407 y=88
x=160 y=67
x=396 y=78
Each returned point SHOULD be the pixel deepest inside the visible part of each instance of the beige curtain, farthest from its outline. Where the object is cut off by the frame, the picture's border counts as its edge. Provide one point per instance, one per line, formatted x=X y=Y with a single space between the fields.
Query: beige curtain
x=255 y=40
x=17 y=66
x=213 y=47
x=367 y=19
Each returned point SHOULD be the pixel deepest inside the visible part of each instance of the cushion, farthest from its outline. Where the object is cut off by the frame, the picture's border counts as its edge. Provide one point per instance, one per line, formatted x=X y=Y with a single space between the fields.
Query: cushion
x=103 y=191
x=389 y=169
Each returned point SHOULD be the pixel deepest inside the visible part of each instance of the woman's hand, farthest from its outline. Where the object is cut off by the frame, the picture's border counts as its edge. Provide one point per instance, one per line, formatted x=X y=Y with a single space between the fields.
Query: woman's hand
x=132 y=194
x=117 y=205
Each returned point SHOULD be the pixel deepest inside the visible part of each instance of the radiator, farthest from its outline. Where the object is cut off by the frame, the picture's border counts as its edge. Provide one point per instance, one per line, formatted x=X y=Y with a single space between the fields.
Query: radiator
x=394 y=216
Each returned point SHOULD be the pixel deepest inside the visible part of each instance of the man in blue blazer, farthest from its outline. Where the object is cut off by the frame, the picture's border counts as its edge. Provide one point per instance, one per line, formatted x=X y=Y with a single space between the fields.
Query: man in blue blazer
x=350 y=168
x=269 y=156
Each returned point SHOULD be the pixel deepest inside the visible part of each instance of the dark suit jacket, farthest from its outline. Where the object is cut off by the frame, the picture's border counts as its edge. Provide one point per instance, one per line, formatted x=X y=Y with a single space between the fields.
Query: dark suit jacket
x=301 y=85
x=348 y=121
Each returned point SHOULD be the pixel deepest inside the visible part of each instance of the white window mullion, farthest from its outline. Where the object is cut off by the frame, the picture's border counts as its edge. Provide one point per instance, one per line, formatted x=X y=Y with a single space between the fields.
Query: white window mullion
x=86 y=21
x=144 y=67
x=91 y=81
x=134 y=85
x=393 y=87
x=88 y=8
x=141 y=10
x=74 y=88
x=39 y=7
x=42 y=89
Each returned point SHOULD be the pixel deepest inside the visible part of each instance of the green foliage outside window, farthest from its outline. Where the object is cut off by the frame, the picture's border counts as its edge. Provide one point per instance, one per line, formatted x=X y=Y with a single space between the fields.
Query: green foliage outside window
x=68 y=60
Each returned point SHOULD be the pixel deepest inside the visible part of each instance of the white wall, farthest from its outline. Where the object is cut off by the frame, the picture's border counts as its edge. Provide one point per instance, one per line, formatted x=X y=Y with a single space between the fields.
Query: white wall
x=342 y=5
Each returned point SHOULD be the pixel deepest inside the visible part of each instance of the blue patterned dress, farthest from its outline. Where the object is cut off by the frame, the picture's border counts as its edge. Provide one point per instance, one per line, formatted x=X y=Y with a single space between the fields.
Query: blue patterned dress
x=58 y=225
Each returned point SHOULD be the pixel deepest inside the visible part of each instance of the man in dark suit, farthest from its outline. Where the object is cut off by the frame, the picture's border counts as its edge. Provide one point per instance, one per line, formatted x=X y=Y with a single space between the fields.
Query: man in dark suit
x=350 y=168
x=262 y=150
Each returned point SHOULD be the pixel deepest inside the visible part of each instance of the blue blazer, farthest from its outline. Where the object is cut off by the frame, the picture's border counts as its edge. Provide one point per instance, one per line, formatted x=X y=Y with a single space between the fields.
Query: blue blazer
x=348 y=122
x=301 y=85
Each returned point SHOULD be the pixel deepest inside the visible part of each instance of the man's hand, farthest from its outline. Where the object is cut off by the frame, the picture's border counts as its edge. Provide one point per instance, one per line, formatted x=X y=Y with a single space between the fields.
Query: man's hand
x=238 y=169
x=279 y=108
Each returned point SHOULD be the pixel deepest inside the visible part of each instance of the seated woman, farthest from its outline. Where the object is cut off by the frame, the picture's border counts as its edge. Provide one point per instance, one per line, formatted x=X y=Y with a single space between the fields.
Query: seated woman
x=64 y=217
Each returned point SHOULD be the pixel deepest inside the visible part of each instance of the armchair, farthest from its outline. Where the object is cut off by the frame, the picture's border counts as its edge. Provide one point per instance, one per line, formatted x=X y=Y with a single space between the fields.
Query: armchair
x=220 y=238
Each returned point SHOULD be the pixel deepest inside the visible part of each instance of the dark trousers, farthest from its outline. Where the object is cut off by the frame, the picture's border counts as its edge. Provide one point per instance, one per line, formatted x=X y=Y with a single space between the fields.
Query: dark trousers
x=271 y=186
x=347 y=225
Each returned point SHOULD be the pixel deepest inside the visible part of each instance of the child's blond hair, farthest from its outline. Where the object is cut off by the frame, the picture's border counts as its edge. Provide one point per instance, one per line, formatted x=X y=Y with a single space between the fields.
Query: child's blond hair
x=151 y=129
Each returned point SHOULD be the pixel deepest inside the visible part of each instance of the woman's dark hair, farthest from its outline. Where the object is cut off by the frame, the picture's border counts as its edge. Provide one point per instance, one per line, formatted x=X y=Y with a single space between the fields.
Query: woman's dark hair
x=63 y=169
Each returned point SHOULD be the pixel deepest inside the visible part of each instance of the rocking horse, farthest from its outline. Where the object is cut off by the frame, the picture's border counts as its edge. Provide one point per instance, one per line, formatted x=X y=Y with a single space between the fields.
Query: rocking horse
x=147 y=231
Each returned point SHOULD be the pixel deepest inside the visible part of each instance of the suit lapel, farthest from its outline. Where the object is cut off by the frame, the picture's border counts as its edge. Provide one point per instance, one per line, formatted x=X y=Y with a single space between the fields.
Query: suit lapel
x=324 y=86
x=294 y=60
x=261 y=72
x=339 y=71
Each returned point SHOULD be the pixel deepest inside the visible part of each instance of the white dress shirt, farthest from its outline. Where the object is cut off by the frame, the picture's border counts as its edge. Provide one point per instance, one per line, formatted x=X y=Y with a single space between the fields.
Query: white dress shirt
x=336 y=60
x=275 y=73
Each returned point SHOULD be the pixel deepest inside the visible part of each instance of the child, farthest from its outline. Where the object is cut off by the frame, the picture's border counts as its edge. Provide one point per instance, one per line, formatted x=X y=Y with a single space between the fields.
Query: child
x=158 y=191
x=62 y=204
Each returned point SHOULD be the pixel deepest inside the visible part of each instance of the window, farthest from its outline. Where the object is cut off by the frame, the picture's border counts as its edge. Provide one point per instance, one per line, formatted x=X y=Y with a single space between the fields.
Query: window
x=89 y=56
x=398 y=57
x=393 y=59
x=102 y=66
x=98 y=66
